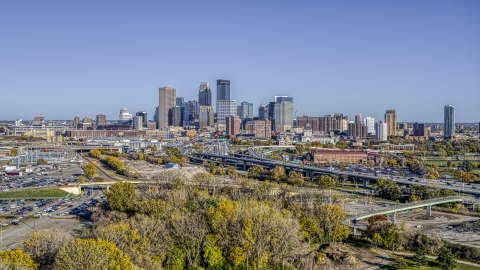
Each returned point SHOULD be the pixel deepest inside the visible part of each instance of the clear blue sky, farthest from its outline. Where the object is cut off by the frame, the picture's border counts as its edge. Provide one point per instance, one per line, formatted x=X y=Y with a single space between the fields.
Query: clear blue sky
x=68 y=58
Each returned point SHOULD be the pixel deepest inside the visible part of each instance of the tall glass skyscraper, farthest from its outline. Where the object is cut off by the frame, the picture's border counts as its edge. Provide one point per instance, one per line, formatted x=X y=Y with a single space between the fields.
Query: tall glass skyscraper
x=449 y=121
x=223 y=89
x=205 y=94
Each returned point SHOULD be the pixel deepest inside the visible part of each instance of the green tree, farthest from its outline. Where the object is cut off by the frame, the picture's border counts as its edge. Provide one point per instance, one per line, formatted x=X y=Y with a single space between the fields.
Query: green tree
x=377 y=240
x=399 y=262
x=87 y=254
x=299 y=148
x=419 y=257
x=177 y=183
x=467 y=165
x=15 y=259
x=89 y=170
x=122 y=196
x=445 y=259
x=41 y=161
x=177 y=261
x=212 y=254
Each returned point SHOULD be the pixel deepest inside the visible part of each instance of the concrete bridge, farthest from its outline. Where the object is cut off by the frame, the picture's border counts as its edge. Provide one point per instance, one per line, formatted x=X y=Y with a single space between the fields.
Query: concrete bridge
x=408 y=206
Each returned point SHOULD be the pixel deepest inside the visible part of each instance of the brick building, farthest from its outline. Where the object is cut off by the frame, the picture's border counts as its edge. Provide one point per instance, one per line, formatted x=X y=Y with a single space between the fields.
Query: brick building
x=339 y=156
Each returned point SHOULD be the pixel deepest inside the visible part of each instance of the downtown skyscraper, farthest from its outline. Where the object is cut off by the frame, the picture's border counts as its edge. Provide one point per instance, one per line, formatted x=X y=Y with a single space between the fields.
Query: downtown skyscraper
x=205 y=94
x=449 y=121
x=166 y=100
x=225 y=106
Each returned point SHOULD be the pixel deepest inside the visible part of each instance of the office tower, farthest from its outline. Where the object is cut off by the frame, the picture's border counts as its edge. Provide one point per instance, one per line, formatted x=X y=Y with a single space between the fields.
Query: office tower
x=205 y=117
x=381 y=131
x=358 y=118
x=391 y=121
x=223 y=89
x=225 y=108
x=205 y=94
x=232 y=125
x=245 y=110
x=166 y=100
x=192 y=110
x=124 y=116
x=420 y=130
x=282 y=113
x=155 y=116
x=179 y=101
x=260 y=128
x=175 y=116
x=18 y=122
x=370 y=123
x=101 y=120
x=449 y=121
x=144 y=118
x=403 y=126
x=262 y=112
x=137 y=122
x=76 y=120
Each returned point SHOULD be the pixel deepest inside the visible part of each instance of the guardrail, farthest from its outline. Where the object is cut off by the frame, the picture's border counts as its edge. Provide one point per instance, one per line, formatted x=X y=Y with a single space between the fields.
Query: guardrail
x=413 y=205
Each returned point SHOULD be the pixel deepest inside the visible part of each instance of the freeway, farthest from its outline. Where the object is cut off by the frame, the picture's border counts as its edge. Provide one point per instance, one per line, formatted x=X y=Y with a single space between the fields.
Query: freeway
x=245 y=162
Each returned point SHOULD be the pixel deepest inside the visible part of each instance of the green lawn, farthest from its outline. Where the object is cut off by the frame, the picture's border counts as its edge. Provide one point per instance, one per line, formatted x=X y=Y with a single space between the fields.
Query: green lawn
x=432 y=264
x=34 y=193
x=477 y=172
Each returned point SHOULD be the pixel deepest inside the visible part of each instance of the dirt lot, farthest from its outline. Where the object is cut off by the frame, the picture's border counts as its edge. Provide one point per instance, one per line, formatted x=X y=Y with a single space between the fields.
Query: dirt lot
x=451 y=227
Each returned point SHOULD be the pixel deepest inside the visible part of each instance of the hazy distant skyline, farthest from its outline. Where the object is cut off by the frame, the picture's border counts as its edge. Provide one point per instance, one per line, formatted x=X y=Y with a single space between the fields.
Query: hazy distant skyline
x=65 y=59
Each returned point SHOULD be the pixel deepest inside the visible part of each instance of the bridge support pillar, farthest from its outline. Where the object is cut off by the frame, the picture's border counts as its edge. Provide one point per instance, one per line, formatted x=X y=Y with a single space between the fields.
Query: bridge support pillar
x=365 y=183
x=429 y=211
x=108 y=188
x=394 y=217
x=244 y=165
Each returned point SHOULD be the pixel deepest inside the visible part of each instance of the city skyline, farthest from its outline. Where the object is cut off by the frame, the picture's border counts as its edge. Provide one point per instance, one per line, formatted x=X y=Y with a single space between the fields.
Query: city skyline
x=360 y=58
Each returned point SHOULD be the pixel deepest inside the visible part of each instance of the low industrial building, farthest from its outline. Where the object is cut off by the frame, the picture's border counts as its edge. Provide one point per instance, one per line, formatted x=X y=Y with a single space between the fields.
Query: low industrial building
x=339 y=156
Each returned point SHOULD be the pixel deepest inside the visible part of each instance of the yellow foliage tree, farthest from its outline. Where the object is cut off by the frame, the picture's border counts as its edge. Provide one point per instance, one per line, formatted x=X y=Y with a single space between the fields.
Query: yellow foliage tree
x=16 y=259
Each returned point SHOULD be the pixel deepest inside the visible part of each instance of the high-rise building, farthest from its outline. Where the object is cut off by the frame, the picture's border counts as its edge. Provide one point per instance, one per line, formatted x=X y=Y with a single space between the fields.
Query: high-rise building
x=192 y=110
x=449 y=121
x=101 y=120
x=205 y=94
x=225 y=108
x=391 y=121
x=357 y=130
x=155 y=116
x=262 y=112
x=232 y=125
x=166 y=100
x=370 y=123
x=261 y=128
x=205 y=117
x=313 y=121
x=358 y=118
x=381 y=131
x=420 y=130
x=18 y=122
x=282 y=114
x=124 y=116
x=223 y=89
x=137 y=122
x=76 y=121
x=326 y=123
x=144 y=118
x=180 y=101
x=175 y=116
x=245 y=110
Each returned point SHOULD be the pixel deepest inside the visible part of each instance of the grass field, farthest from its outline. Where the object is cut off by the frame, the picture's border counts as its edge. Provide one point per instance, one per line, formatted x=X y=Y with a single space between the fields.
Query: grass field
x=432 y=264
x=34 y=193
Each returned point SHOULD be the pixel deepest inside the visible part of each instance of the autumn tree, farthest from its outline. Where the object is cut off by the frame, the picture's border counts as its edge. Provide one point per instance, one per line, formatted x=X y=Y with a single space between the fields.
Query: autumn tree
x=81 y=179
x=95 y=153
x=329 y=220
x=122 y=196
x=327 y=181
x=42 y=161
x=13 y=152
x=87 y=254
x=256 y=171
x=89 y=170
x=16 y=259
x=278 y=173
x=42 y=246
